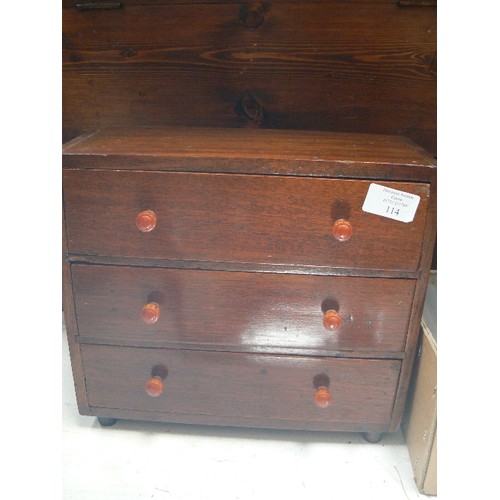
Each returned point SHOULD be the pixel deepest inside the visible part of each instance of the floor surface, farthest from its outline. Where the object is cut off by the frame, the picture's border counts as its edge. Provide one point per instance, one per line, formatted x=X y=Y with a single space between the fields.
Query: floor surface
x=144 y=460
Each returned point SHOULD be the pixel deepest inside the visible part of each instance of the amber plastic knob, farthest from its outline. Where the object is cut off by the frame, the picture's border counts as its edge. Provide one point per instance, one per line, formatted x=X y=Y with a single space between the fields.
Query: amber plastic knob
x=322 y=397
x=146 y=221
x=154 y=386
x=150 y=313
x=342 y=230
x=332 y=320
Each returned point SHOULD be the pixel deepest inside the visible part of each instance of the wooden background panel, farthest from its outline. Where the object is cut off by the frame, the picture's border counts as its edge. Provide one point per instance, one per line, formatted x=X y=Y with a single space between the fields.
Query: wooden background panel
x=321 y=24
x=325 y=66
x=83 y=4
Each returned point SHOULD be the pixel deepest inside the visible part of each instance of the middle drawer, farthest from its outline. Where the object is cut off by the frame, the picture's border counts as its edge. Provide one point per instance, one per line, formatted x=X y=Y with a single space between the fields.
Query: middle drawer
x=261 y=311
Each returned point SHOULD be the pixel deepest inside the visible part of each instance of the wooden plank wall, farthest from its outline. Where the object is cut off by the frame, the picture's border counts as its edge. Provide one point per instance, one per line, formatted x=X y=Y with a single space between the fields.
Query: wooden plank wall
x=354 y=66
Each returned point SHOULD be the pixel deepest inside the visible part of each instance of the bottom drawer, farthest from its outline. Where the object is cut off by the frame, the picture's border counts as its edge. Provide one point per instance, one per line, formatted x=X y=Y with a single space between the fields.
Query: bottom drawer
x=235 y=388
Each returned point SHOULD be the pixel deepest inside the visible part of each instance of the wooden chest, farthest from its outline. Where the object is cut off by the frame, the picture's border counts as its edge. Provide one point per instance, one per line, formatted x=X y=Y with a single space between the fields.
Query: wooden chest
x=246 y=277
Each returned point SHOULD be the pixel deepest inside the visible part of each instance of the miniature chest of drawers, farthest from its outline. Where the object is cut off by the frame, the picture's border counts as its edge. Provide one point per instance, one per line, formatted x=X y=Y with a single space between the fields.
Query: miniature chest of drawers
x=256 y=278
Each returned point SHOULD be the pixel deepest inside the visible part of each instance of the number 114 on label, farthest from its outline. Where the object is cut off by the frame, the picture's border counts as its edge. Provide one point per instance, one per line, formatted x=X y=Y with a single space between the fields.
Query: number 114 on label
x=391 y=203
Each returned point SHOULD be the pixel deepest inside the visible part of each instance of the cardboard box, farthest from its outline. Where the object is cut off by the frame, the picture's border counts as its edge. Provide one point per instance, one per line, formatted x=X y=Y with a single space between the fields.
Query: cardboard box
x=420 y=420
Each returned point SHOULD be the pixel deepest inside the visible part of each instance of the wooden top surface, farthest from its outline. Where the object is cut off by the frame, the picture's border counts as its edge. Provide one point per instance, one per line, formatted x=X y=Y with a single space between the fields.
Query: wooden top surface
x=254 y=150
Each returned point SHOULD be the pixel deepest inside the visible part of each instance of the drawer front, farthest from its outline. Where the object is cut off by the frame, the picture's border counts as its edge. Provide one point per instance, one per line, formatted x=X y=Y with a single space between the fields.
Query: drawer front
x=239 y=218
x=250 y=310
x=240 y=385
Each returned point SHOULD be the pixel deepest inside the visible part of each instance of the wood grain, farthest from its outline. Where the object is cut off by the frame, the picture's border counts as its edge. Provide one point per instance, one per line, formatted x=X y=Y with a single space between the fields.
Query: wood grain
x=71 y=4
x=233 y=385
x=242 y=258
x=243 y=147
x=71 y=325
x=418 y=306
x=363 y=67
x=248 y=310
x=237 y=218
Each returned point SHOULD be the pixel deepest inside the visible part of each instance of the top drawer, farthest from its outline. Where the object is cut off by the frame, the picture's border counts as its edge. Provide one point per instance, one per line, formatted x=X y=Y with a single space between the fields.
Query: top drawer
x=237 y=218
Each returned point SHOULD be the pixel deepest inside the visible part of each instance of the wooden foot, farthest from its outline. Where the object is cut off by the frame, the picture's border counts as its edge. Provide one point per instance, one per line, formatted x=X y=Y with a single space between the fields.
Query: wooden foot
x=107 y=421
x=372 y=437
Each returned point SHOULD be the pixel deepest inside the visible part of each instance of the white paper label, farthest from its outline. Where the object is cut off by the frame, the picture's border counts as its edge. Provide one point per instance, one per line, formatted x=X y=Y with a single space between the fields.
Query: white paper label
x=391 y=203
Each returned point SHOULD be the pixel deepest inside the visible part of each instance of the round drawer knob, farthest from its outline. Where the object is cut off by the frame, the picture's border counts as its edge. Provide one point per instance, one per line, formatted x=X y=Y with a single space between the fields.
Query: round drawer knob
x=322 y=397
x=154 y=386
x=342 y=230
x=146 y=221
x=150 y=313
x=332 y=320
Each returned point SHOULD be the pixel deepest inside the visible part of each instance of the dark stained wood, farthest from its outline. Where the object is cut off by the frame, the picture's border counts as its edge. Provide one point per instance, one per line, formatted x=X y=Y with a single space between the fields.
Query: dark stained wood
x=247 y=267
x=222 y=150
x=344 y=66
x=249 y=151
x=72 y=327
x=418 y=306
x=221 y=318
x=257 y=310
x=231 y=385
x=261 y=219
x=242 y=421
x=71 y=4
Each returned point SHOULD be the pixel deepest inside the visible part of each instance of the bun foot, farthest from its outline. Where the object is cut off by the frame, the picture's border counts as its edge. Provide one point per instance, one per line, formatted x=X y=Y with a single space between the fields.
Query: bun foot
x=372 y=437
x=106 y=421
